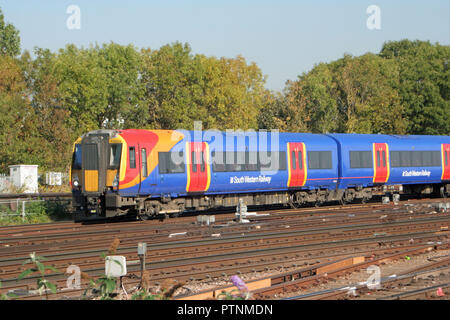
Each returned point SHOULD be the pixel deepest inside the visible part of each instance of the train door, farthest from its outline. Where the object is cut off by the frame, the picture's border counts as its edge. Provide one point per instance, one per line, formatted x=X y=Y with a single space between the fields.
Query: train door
x=133 y=166
x=94 y=162
x=297 y=164
x=149 y=179
x=380 y=163
x=199 y=172
x=91 y=167
x=446 y=162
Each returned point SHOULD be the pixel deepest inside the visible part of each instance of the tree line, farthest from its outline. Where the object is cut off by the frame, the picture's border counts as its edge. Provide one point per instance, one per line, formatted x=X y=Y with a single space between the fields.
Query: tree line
x=48 y=99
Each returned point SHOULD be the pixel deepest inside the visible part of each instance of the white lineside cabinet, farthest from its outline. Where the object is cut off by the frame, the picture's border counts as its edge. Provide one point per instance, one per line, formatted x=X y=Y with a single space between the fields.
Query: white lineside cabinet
x=24 y=177
x=115 y=266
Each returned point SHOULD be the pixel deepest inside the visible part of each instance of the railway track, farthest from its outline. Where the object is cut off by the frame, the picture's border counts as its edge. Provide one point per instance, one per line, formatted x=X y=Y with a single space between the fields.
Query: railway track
x=420 y=282
x=314 y=235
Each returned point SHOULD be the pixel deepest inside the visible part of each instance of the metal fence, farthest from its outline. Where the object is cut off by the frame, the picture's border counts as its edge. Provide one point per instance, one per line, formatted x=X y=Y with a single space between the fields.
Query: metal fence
x=17 y=206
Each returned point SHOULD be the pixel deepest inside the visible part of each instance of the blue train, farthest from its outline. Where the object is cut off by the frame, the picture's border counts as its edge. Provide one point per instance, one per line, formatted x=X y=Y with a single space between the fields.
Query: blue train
x=152 y=172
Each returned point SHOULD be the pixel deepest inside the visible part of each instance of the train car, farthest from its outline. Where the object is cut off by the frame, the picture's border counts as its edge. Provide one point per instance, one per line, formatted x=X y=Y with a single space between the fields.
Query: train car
x=403 y=164
x=148 y=173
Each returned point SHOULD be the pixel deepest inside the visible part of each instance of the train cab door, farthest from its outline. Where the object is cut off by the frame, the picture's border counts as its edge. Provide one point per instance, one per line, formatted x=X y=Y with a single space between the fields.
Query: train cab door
x=133 y=166
x=297 y=164
x=381 y=163
x=199 y=171
x=148 y=179
x=142 y=156
x=445 y=162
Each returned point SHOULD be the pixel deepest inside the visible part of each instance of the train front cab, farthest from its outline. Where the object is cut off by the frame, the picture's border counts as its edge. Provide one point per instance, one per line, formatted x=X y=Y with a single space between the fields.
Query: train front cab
x=95 y=171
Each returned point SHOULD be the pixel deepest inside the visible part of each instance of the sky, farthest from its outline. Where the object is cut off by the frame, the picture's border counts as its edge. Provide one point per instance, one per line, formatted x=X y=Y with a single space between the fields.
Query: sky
x=285 y=38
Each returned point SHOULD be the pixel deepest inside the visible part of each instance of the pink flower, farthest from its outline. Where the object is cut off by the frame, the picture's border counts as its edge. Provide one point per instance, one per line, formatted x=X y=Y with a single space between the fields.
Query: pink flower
x=239 y=283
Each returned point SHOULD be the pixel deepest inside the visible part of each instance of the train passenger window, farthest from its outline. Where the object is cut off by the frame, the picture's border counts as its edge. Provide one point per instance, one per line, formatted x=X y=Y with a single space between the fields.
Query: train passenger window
x=313 y=160
x=355 y=159
x=276 y=161
x=378 y=159
x=218 y=162
x=384 y=159
x=435 y=159
x=132 y=158
x=231 y=161
x=395 y=159
x=282 y=160
x=415 y=159
x=293 y=160
x=405 y=159
x=144 y=162
x=361 y=159
x=366 y=159
x=446 y=157
x=251 y=161
x=319 y=160
x=171 y=162
x=427 y=159
x=239 y=164
x=265 y=159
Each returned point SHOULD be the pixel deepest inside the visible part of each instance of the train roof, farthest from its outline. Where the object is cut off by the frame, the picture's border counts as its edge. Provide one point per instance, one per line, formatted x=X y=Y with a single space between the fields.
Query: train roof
x=392 y=140
x=347 y=138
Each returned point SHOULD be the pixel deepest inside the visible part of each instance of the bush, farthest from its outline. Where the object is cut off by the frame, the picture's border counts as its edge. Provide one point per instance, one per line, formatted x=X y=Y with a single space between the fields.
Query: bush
x=35 y=212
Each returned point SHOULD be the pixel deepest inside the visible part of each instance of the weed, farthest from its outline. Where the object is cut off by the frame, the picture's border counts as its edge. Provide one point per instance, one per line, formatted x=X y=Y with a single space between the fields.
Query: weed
x=241 y=293
x=42 y=283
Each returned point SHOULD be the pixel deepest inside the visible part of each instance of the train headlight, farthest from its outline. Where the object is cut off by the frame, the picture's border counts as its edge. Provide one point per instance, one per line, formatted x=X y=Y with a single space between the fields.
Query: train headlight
x=75 y=182
x=116 y=181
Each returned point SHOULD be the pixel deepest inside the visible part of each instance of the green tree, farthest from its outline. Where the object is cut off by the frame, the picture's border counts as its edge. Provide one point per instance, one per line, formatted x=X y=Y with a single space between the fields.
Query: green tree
x=273 y=112
x=51 y=124
x=424 y=83
x=122 y=66
x=82 y=86
x=367 y=96
x=312 y=101
x=352 y=94
x=101 y=87
x=182 y=87
x=18 y=140
x=9 y=38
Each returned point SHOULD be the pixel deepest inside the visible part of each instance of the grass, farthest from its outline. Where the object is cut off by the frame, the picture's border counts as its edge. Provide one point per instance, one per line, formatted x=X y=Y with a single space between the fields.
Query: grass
x=36 y=212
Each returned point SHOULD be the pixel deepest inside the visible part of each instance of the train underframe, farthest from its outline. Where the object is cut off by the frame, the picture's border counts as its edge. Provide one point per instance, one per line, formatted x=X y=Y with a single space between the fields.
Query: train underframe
x=100 y=206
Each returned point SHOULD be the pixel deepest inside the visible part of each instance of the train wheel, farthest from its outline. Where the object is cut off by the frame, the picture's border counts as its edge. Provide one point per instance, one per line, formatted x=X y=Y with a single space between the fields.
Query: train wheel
x=442 y=192
x=143 y=217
